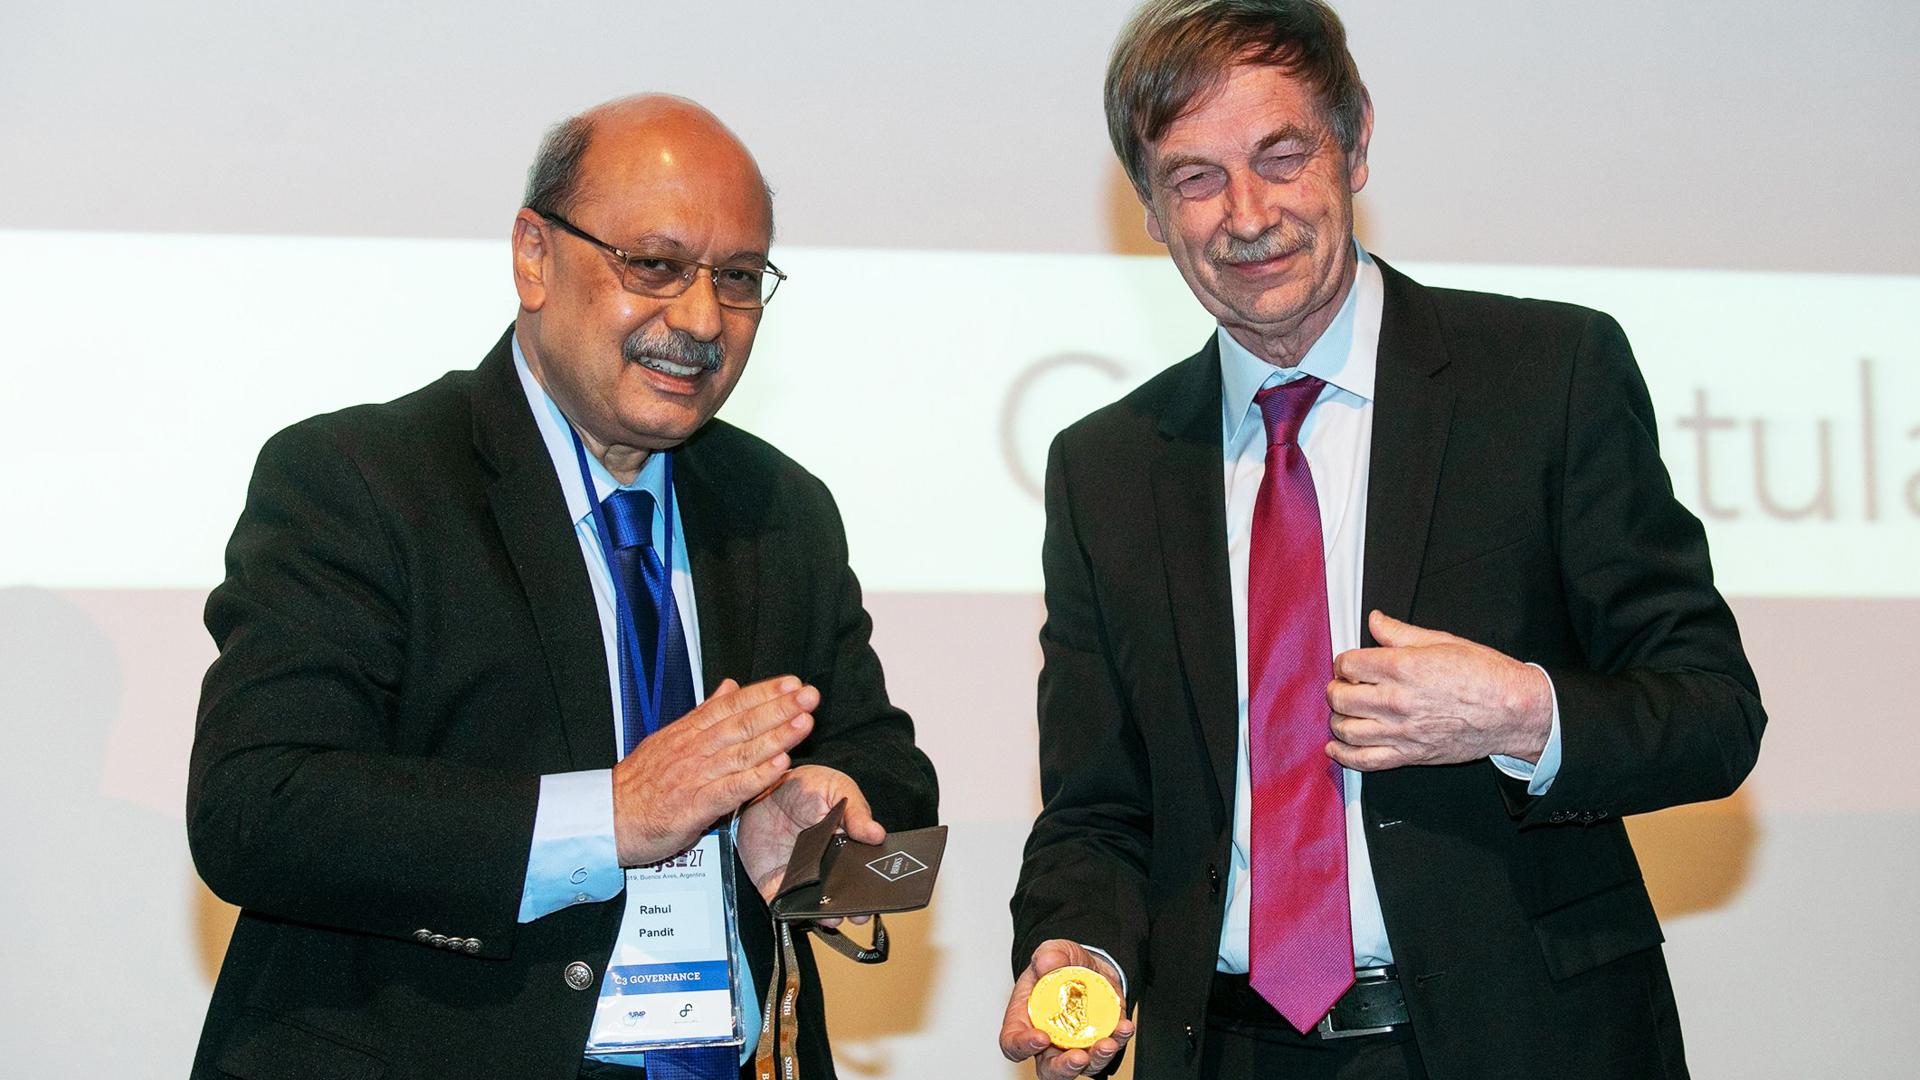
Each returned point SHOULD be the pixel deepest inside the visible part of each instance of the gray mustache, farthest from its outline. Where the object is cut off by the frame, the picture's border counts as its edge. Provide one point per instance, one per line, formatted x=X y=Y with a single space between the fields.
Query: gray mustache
x=1279 y=240
x=677 y=346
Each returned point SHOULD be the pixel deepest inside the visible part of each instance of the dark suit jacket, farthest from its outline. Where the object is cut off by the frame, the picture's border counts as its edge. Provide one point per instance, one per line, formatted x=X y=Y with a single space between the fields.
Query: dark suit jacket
x=408 y=641
x=1516 y=498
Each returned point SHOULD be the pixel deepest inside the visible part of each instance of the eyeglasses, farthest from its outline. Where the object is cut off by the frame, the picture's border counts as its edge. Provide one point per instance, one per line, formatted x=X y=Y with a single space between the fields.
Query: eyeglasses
x=744 y=287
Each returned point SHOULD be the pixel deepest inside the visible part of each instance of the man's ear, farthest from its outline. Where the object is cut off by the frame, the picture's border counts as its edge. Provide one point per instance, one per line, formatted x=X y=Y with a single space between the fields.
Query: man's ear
x=1153 y=224
x=1357 y=160
x=532 y=259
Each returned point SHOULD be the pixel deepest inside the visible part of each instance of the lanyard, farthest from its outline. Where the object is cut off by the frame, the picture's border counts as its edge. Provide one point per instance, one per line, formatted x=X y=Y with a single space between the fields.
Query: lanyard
x=650 y=688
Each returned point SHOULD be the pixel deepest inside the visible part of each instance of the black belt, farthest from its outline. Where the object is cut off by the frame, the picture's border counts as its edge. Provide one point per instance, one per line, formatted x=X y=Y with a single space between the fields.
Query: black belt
x=1373 y=1005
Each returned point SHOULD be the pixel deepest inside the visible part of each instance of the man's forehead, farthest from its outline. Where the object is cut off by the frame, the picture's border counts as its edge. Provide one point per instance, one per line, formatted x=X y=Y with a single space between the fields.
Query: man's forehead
x=1253 y=96
x=1252 y=89
x=652 y=153
x=686 y=176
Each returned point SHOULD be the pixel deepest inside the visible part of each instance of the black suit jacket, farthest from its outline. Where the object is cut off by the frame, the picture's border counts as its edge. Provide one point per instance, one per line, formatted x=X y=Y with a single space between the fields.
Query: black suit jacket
x=1516 y=498
x=408 y=641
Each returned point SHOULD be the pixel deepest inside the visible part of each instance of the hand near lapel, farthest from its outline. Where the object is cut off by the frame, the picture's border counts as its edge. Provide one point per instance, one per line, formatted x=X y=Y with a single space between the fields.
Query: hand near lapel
x=1425 y=697
x=1020 y=1040
x=705 y=765
x=797 y=800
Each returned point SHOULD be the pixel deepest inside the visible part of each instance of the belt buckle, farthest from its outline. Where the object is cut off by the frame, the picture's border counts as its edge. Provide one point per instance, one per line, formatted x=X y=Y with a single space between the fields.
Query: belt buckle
x=1325 y=1027
x=1327 y=1031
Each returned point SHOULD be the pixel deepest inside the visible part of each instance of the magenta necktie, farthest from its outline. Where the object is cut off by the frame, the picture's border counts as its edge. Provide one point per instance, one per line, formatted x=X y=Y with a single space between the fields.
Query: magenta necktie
x=1301 y=937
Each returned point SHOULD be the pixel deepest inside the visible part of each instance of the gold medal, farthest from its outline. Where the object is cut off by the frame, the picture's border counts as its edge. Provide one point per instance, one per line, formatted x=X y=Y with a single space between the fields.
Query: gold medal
x=1076 y=1006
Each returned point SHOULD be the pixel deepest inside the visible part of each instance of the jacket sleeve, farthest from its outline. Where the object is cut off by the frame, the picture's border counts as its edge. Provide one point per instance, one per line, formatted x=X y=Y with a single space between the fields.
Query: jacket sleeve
x=299 y=804
x=1084 y=874
x=1665 y=710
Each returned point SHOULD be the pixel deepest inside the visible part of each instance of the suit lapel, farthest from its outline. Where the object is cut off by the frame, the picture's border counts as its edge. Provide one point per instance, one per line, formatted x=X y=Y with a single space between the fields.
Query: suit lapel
x=1189 y=496
x=1413 y=406
x=532 y=517
x=724 y=560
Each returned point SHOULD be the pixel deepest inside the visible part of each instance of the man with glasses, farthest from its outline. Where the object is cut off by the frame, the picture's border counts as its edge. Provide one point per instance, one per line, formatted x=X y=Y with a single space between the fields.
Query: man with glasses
x=1365 y=626
x=486 y=648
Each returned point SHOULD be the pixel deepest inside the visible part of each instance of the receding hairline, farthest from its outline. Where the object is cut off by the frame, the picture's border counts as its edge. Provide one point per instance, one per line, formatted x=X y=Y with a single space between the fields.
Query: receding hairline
x=569 y=142
x=652 y=104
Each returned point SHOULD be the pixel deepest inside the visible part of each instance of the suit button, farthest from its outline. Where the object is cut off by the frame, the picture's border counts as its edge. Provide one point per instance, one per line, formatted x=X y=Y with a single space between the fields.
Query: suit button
x=438 y=941
x=579 y=976
x=470 y=946
x=1192 y=1040
x=1213 y=878
x=1560 y=815
x=423 y=936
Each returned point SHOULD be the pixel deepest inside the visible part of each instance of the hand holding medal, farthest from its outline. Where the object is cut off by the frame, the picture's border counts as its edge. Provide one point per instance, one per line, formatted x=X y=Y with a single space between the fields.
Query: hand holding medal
x=1066 y=1012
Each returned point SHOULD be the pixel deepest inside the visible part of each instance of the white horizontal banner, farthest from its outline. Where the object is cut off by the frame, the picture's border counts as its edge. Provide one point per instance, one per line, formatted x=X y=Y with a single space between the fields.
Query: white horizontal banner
x=144 y=371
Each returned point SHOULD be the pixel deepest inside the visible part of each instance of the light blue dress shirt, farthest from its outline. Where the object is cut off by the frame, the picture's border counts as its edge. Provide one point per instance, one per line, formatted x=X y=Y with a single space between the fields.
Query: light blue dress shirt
x=1336 y=438
x=574 y=859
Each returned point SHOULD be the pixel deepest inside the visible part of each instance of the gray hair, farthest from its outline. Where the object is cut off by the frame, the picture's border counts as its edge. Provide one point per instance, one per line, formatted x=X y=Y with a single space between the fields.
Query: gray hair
x=553 y=182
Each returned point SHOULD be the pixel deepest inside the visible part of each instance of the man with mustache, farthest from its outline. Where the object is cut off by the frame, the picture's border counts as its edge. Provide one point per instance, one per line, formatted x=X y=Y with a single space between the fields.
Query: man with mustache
x=488 y=648
x=1365 y=626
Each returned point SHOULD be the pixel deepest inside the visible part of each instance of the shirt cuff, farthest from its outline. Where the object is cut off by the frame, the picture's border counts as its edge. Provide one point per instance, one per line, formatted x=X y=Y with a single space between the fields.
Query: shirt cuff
x=574 y=859
x=1112 y=963
x=1539 y=777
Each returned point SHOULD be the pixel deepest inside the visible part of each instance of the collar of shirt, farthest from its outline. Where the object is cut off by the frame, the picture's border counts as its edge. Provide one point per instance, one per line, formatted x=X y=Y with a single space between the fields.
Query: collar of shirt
x=1344 y=356
x=557 y=432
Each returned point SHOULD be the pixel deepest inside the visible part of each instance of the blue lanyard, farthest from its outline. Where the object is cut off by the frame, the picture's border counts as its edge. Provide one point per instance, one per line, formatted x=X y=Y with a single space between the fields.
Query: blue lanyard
x=650 y=694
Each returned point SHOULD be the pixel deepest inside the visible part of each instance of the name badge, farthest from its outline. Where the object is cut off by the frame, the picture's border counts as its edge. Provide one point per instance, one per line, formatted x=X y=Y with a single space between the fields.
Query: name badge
x=671 y=980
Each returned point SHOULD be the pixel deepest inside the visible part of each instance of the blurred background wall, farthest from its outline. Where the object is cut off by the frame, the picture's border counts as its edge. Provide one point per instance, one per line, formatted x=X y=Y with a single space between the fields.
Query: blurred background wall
x=219 y=217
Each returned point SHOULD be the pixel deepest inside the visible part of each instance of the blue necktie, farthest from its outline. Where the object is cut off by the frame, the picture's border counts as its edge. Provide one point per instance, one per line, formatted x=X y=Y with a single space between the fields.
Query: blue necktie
x=653 y=611
x=652 y=608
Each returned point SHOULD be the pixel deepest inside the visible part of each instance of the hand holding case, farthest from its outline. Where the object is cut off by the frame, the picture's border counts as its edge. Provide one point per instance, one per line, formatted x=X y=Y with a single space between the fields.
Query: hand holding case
x=831 y=875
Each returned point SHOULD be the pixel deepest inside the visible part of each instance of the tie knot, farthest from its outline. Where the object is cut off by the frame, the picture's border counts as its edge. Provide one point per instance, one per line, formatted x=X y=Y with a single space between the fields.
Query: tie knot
x=1284 y=408
x=630 y=517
